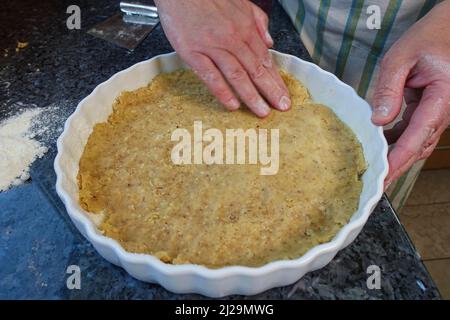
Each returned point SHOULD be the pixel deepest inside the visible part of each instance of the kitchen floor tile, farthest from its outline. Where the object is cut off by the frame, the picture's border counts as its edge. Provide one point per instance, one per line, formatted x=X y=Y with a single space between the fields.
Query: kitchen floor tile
x=440 y=272
x=429 y=229
x=432 y=186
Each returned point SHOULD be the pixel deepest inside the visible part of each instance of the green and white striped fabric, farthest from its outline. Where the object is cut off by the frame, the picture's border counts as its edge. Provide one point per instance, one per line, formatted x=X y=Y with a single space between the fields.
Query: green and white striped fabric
x=340 y=37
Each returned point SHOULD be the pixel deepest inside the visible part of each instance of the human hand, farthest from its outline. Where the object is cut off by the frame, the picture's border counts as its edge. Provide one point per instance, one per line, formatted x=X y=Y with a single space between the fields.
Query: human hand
x=226 y=43
x=417 y=67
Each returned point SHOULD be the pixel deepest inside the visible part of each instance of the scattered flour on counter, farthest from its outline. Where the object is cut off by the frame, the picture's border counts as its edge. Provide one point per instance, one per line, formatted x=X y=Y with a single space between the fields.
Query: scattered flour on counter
x=49 y=123
x=18 y=148
x=26 y=137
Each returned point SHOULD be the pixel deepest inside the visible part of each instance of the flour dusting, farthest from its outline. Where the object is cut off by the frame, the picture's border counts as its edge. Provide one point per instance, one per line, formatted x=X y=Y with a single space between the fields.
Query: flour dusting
x=18 y=149
x=26 y=137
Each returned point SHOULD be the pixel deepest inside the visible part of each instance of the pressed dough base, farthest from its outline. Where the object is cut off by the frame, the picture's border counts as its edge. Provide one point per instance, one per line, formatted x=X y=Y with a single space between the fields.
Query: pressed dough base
x=218 y=215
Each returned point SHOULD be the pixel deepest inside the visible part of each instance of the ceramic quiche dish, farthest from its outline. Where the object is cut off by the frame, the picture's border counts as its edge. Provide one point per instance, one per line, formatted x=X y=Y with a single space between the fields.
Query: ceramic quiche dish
x=323 y=87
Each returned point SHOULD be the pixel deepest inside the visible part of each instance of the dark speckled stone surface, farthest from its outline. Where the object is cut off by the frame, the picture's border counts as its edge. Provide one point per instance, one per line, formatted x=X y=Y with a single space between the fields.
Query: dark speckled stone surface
x=37 y=240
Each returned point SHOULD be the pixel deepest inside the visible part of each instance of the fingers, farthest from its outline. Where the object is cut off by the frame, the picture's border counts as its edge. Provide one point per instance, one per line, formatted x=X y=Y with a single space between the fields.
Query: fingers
x=260 y=51
x=240 y=81
x=429 y=150
x=388 y=94
x=211 y=76
x=258 y=71
x=230 y=54
x=412 y=99
x=277 y=77
x=421 y=135
x=262 y=24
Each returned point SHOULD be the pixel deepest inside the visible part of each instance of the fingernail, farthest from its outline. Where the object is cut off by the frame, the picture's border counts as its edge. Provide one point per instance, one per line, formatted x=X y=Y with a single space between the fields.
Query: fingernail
x=381 y=111
x=269 y=38
x=234 y=104
x=284 y=103
x=267 y=62
x=262 y=108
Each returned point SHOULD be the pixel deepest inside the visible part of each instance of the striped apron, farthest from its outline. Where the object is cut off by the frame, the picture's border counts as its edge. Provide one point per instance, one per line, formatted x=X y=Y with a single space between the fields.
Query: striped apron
x=349 y=38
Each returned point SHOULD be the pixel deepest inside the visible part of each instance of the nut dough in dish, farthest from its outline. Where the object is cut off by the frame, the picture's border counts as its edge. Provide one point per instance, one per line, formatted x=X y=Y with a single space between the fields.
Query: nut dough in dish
x=218 y=215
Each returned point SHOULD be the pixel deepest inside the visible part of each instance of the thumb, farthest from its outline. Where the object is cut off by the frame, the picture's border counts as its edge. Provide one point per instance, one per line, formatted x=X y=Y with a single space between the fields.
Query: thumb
x=388 y=95
x=262 y=24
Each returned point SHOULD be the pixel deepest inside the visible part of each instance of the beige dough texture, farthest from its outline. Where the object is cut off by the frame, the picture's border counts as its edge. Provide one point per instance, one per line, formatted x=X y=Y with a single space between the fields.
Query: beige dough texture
x=218 y=215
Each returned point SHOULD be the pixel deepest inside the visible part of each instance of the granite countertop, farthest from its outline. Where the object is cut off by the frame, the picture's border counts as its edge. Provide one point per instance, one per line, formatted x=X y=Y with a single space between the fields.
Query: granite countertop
x=38 y=241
